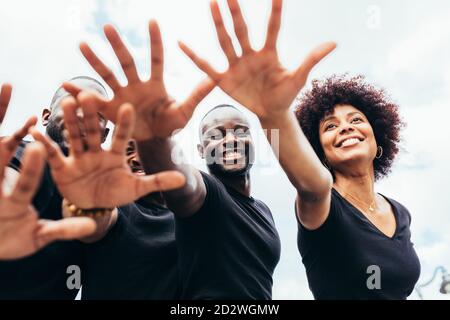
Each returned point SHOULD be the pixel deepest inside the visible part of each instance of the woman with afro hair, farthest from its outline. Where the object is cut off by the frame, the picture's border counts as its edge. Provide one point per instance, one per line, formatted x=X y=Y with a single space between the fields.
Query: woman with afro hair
x=355 y=243
x=358 y=246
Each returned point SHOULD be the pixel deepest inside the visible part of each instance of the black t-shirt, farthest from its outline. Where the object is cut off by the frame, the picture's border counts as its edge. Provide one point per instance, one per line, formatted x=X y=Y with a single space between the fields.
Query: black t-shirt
x=340 y=255
x=44 y=274
x=228 y=249
x=137 y=259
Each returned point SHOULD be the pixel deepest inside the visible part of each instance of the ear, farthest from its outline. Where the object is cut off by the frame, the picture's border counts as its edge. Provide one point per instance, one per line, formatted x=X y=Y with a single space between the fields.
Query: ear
x=201 y=150
x=45 y=116
x=105 y=134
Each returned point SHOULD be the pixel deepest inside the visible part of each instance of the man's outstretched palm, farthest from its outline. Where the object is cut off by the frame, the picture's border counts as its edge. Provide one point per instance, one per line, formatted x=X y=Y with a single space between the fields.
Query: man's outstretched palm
x=95 y=178
x=157 y=115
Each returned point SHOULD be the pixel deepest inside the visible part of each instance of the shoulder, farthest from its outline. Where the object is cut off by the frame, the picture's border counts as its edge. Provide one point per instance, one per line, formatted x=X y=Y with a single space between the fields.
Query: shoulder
x=333 y=209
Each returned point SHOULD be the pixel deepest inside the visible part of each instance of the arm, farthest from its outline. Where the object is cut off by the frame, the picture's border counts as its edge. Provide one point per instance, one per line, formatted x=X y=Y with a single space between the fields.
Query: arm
x=258 y=81
x=156 y=156
x=158 y=116
x=310 y=178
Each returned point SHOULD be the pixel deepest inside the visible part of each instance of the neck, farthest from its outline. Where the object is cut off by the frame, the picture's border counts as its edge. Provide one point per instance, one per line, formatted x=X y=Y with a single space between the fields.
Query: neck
x=240 y=183
x=357 y=184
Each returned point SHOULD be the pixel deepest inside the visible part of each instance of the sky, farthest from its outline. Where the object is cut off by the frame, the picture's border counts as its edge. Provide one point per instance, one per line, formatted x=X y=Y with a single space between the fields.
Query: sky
x=401 y=46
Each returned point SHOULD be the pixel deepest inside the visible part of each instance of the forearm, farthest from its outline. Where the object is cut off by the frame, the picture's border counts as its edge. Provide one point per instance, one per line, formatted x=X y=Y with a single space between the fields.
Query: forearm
x=156 y=156
x=297 y=157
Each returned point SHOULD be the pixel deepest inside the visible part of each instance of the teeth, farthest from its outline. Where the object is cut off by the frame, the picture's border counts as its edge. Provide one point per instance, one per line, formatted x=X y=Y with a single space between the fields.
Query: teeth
x=350 y=142
x=231 y=155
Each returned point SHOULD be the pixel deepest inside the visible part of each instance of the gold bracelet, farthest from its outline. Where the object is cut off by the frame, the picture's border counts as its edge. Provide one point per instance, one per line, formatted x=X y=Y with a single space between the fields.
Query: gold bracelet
x=90 y=213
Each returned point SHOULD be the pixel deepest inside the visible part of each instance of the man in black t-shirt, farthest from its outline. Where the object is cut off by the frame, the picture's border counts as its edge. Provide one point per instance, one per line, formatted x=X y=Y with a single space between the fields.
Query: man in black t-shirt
x=227 y=242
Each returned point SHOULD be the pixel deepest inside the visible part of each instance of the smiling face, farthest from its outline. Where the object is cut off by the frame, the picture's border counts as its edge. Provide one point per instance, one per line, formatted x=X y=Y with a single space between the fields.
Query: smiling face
x=347 y=138
x=226 y=142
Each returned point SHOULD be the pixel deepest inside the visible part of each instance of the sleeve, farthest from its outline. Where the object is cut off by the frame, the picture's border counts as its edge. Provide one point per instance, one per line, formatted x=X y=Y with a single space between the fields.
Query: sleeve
x=214 y=196
x=330 y=224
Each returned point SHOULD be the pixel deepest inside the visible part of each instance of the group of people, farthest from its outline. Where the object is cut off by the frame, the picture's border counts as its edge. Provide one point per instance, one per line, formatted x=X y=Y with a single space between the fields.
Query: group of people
x=140 y=225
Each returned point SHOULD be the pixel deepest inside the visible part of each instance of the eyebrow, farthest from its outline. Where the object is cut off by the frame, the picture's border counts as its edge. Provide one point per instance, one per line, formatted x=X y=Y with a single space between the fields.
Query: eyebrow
x=221 y=128
x=334 y=117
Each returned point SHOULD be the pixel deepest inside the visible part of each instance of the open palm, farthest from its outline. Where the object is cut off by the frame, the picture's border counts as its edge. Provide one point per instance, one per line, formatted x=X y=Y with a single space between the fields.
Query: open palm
x=95 y=178
x=257 y=80
x=157 y=115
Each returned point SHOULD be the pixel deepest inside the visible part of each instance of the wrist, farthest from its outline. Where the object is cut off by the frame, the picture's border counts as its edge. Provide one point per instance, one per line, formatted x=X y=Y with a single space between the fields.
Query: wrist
x=72 y=210
x=278 y=120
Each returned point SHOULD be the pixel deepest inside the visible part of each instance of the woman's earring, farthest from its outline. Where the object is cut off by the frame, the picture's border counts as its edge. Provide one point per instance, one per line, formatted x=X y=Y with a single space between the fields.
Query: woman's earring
x=379 y=152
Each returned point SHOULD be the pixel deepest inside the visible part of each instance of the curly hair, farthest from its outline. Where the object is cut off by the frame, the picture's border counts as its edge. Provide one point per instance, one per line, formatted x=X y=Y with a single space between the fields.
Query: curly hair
x=374 y=103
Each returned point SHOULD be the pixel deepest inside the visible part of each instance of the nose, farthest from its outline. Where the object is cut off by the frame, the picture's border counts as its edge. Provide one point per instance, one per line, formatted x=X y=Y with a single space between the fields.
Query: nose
x=230 y=138
x=347 y=128
x=132 y=161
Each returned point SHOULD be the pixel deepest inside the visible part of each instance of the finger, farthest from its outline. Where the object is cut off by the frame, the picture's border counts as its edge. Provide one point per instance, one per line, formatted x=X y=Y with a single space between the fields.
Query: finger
x=301 y=74
x=159 y=182
x=71 y=88
x=157 y=51
x=122 y=53
x=240 y=27
x=224 y=39
x=71 y=123
x=199 y=93
x=103 y=71
x=30 y=174
x=65 y=229
x=200 y=63
x=5 y=97
x=124 y=129
x=109 y=111
x=91 y=121
x=13 y=141
x=54 y=155
x=274 y=25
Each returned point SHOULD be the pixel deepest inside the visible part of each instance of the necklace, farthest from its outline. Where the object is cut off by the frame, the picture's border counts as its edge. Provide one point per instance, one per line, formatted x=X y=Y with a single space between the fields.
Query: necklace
x=371 y=205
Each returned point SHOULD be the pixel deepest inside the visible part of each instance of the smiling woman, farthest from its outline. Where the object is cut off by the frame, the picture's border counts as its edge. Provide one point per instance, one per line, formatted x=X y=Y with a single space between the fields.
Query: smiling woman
x=355 y=131
x=318 y=104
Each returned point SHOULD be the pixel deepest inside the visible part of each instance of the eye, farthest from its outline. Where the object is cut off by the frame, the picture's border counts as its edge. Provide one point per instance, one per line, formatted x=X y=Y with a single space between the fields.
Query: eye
x=330 y=126
x=213 y=135
x=241 y=134
x=357 y=120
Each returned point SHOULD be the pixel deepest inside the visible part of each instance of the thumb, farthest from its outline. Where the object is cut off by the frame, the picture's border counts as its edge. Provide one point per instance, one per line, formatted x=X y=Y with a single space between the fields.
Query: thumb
x=160 y=182
x=314 y=57
x=65 y=229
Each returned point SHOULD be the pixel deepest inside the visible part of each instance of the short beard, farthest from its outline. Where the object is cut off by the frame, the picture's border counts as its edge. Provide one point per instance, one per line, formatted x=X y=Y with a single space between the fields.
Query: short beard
x=219 y=170
x=55 y=133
